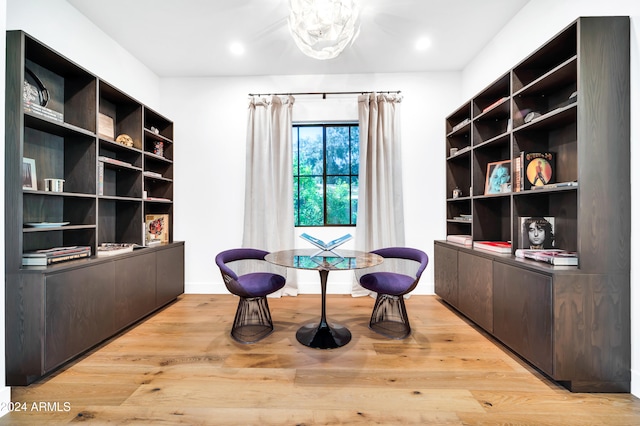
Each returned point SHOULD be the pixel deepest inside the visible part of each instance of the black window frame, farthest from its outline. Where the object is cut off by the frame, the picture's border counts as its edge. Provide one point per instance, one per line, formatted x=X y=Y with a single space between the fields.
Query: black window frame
x=326 y=176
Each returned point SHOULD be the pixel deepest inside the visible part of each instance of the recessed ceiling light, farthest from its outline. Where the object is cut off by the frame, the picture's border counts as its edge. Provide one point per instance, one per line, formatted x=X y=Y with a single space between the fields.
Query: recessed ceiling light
x=236 y=48
x=423 y=43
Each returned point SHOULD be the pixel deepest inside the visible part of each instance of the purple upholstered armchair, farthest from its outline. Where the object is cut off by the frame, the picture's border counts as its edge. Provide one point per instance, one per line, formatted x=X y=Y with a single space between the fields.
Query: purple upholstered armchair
x=396 y=276
x=247 y=275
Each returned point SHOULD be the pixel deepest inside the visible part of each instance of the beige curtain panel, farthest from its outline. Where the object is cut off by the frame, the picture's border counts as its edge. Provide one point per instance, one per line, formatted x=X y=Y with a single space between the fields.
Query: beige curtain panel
x=380 y=200
x=268 y=206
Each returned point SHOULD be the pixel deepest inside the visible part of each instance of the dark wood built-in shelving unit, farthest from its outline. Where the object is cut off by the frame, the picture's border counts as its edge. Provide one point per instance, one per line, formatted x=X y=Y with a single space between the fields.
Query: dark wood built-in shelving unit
x=572 y=323
x=54 y=313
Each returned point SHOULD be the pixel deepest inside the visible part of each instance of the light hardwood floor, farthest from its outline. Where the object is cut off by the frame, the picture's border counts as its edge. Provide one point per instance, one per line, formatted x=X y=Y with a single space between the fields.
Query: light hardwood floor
x=181 y=367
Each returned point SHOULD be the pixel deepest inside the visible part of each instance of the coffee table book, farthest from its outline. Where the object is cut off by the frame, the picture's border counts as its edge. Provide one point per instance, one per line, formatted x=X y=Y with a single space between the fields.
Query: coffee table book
x=503 y=247
x=55 y=255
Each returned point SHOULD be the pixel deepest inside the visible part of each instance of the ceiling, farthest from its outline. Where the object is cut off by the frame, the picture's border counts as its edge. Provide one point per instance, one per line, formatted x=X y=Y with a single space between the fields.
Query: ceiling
x=191 y=38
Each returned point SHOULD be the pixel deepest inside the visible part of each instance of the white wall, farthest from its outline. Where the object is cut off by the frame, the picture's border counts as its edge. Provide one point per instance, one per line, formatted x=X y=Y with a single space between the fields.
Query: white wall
x=211 y=117
x=61 y=27
x=537 y=22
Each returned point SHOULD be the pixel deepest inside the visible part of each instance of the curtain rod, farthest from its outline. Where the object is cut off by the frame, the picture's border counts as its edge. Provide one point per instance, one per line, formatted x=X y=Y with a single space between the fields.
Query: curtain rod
x=324 y=94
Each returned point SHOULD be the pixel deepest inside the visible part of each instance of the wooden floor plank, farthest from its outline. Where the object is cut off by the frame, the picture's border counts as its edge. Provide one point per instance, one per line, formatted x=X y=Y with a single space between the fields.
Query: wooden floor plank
x=180 y=367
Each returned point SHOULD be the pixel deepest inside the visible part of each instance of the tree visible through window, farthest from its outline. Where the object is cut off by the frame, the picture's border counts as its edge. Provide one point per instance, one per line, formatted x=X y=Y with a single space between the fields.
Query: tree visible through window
x=325 y=174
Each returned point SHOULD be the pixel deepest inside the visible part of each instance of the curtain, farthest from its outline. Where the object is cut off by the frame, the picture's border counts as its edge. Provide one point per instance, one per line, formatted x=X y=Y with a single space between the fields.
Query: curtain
x=380 y=201
x=268 y=206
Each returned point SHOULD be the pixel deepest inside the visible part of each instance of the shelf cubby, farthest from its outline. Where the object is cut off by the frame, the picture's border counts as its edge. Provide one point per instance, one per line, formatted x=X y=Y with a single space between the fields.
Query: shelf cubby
x=125 y=112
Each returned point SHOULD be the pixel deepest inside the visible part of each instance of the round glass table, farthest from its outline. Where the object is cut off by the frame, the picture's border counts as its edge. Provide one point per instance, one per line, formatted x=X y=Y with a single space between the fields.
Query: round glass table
x=323 y=335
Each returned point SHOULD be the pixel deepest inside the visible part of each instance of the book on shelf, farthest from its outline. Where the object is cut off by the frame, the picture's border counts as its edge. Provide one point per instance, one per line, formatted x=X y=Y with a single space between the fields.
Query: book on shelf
x=495 y=104
x=503 y=247
x=100 y=178
x=536 y=232
x=460 y=125
x=156 y=227
x=553 y=257
x=113 y=161
x=517 y=174
x=105 y=126
x=557 y=185
x=460 y=239
x=523 y=253
x=464 y=217
x=55 y=255
x=112 y=249
x=326 y=246
x=538 y=169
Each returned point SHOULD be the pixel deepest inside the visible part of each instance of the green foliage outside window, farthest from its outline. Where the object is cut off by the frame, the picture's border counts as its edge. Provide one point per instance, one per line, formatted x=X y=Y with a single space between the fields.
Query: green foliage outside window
x=325 y=174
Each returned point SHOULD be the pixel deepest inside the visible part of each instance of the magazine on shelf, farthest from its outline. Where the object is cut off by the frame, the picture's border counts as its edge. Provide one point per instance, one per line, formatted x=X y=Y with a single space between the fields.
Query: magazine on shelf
x=503 y=247
x=326 y=246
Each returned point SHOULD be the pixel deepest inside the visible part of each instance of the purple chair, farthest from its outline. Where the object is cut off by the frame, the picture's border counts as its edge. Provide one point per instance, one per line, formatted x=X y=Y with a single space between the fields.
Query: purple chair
x=396 y=276
x=247 y=275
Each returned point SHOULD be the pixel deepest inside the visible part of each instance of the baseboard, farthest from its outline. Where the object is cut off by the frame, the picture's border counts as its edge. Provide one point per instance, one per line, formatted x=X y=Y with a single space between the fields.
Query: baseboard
x=635 y=383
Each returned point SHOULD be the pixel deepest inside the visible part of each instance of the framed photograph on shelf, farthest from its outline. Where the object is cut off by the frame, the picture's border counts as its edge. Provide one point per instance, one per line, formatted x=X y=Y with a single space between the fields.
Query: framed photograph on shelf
x=29 y=177
x=498 y=178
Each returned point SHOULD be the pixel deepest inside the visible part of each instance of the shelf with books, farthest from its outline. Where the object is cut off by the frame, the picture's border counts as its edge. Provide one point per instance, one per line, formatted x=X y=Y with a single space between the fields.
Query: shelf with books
x=70 y=88
x=160 y=166
x=63 y=128
x=570 y=106
x=120 y=153
x=493 y=99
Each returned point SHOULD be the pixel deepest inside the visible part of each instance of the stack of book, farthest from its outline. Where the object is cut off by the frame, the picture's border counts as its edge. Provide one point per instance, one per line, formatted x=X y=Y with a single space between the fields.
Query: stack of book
x=555 y=257
x=55 y=255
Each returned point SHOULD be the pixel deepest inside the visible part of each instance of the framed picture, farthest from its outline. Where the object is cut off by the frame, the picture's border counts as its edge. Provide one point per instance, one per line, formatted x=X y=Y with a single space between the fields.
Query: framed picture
x=29 y=178
x=498 y=179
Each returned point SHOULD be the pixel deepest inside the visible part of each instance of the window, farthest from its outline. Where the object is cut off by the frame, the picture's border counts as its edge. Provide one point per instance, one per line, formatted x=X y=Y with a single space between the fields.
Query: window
x=325 y=174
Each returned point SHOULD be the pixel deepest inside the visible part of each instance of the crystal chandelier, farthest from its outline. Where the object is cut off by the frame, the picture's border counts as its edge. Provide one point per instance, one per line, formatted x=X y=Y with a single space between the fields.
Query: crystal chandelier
x=323 y=28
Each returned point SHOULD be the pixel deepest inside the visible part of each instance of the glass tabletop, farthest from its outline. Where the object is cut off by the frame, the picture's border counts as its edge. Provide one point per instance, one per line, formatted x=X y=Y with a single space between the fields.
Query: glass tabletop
x=328 y=261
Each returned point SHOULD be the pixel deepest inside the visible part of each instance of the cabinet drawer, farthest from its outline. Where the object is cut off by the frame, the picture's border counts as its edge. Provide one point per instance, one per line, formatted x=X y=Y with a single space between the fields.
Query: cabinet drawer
x=523 y=312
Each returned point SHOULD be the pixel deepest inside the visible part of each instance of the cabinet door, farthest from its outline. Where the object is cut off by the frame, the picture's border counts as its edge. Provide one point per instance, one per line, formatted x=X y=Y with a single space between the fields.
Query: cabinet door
x=78 y=311
x=475 y=289
x=170 y=274
x=135 y=288
x=522 y=313
x=446 y=274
